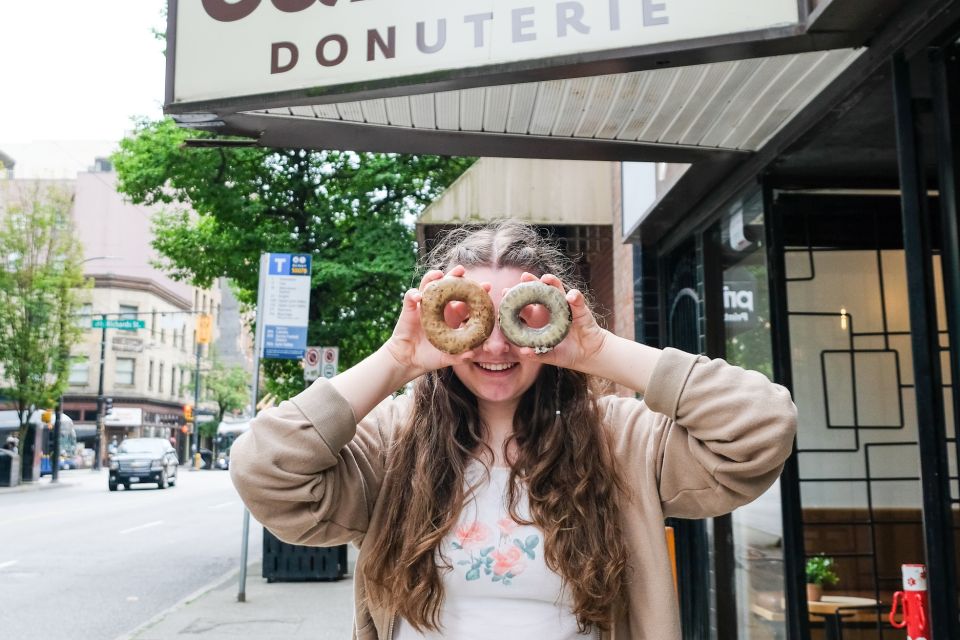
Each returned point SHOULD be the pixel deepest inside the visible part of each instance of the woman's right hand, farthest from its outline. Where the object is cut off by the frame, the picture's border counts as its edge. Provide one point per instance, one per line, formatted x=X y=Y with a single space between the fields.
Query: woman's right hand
x=409 y=345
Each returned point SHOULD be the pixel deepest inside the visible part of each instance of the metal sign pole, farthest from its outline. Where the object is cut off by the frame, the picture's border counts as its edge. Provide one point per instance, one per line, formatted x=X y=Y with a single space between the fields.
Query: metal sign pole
x=254 y=388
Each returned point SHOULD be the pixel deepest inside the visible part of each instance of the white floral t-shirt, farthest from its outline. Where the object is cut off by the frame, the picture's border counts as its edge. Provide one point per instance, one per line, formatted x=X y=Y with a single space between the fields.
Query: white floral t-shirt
x=500 y=587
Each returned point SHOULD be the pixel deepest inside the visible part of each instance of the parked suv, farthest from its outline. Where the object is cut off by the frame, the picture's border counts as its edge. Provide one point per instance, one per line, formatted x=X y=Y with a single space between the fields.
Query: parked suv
x=141 y=460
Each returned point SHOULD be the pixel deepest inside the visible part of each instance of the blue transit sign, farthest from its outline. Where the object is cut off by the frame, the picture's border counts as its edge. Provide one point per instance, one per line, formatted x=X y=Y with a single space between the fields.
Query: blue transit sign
x=285 y=279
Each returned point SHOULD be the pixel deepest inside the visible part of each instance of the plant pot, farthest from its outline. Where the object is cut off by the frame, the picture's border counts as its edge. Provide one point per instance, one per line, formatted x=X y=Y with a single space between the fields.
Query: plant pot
x=814 y=592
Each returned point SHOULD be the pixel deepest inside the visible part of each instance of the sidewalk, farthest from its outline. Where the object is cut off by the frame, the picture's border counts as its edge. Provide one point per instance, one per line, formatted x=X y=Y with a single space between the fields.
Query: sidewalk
x=279 y=610
x=40 y=485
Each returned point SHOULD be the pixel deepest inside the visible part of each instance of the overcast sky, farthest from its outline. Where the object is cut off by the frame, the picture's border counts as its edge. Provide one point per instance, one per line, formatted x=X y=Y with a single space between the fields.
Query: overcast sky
x=78 y=69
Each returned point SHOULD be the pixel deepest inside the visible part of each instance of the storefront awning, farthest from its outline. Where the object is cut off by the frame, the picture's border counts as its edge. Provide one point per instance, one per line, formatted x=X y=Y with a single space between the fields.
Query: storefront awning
x=596 y=79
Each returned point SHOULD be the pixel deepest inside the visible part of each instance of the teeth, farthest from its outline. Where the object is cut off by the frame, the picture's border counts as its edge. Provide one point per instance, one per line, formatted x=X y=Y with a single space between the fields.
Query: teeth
x=496 y=367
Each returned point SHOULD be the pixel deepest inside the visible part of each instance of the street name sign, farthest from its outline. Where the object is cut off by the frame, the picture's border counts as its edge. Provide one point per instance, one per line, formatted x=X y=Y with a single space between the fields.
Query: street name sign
x=285 y=287
x=127 y=324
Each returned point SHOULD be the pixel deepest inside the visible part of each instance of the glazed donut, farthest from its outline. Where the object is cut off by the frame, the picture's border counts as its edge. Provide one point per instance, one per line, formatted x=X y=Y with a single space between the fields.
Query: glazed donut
x=479 y=324
x=535 y=292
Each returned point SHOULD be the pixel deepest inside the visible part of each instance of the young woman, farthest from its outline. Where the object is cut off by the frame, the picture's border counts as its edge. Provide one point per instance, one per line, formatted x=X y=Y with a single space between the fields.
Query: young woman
x=507 y=498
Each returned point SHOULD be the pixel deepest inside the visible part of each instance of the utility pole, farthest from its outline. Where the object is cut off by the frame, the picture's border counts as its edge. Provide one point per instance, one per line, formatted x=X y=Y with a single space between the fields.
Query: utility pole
x=204 y=336
x=55 y=450
x=196 y=407
x=100 y=415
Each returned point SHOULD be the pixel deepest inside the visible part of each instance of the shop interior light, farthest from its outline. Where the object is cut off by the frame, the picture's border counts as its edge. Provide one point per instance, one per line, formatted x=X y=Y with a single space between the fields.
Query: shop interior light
x=843 y=318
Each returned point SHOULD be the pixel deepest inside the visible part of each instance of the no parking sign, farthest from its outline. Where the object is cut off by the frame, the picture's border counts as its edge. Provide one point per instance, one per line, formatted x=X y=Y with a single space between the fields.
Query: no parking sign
x=311 y=364
x=319 y=361
x=330 y=358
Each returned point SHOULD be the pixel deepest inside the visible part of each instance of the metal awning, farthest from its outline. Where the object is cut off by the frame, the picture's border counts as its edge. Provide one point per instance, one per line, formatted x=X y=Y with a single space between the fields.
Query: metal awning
x=604 y=79
x=550 y=192
x=732 y=106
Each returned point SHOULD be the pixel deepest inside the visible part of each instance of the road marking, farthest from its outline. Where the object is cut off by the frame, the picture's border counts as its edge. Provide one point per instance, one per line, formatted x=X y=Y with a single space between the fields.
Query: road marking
x=223 y=504
x=142 y=526
x=8 y=563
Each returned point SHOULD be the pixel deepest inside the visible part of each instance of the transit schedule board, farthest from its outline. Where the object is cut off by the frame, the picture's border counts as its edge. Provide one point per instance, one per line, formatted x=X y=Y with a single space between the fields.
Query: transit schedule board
x=285 y=289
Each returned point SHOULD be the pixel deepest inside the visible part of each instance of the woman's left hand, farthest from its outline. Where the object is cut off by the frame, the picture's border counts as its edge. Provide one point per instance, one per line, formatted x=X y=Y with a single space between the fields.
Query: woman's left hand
x=585 y=339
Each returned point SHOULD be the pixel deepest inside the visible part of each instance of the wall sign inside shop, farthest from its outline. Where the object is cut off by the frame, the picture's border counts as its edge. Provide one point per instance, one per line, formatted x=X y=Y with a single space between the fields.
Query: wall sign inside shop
x=739 y=300
x=232 y=48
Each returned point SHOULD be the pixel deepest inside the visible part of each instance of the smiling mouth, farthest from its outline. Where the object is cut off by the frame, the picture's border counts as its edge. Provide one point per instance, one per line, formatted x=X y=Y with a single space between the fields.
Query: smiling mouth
x=490 y=366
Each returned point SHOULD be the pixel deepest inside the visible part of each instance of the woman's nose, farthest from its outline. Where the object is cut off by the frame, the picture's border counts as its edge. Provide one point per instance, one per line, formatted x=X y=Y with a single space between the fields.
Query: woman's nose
x=496 y=343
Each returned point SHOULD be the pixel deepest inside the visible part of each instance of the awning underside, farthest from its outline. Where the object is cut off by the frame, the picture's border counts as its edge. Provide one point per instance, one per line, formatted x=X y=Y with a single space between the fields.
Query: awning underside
x=725 y=106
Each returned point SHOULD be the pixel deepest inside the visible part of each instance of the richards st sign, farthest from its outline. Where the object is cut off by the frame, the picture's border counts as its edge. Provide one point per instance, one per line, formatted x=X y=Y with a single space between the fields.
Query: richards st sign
x=233 y=49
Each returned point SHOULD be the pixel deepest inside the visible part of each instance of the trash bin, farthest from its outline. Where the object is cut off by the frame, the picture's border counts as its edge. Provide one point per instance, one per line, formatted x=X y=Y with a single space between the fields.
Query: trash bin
x=9 y=468
x=284 y=562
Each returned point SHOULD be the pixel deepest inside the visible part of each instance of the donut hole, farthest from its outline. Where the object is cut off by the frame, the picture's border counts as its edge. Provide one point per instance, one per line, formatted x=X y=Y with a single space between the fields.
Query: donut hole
x=456 y=313
x=535 y=316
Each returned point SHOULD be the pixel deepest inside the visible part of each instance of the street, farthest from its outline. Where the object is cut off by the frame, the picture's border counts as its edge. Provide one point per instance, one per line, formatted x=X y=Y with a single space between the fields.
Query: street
x=81 y=562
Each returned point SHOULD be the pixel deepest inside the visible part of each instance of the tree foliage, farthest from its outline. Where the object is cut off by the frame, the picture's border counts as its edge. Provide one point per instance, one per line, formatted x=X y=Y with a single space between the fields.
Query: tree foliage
x=350 y=211
x=40 y=278
x=228 y=387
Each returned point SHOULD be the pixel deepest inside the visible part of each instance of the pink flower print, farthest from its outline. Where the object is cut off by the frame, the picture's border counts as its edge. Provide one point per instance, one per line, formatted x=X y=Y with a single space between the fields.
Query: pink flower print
x=508 y=562
x=507 y=525
x=472 y=536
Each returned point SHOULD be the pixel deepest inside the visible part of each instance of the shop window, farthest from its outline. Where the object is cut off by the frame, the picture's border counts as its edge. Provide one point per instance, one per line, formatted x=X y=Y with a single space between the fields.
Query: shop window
x=737 y=243
x=124 y=370
x=80 y=372
x=84 y=315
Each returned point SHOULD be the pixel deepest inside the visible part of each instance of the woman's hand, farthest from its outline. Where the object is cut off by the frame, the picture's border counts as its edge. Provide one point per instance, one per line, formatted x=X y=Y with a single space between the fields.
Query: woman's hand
x=409 y=346
x=585 y=339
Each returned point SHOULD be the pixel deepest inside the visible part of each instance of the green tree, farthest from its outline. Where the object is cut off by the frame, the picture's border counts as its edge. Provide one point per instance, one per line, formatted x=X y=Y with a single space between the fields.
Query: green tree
x=228 y=387
x=350 y=211
x=39 y=282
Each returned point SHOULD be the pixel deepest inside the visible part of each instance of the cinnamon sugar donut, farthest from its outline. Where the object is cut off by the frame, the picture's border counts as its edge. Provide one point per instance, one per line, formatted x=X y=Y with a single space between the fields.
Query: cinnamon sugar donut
x=479 y=324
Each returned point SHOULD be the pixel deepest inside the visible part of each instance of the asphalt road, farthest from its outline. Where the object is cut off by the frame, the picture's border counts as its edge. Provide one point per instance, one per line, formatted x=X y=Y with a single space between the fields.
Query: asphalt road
x=81 y=562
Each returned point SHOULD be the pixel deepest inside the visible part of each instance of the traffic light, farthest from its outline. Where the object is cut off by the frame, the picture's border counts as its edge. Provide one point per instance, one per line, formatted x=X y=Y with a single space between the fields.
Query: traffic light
x=107 y=406
x=184 y=429
x=188 y=412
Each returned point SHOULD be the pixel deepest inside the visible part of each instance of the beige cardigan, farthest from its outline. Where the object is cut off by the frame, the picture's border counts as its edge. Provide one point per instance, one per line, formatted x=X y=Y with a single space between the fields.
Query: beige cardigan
x=707 y=438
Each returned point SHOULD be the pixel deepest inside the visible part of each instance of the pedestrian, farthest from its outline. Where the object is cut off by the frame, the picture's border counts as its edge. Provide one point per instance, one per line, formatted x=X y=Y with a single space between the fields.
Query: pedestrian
x=508 y=497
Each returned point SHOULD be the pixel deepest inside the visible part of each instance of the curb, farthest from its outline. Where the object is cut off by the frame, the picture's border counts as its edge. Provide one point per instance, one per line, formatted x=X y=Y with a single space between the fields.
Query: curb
x=196 y=595
x=35 y=486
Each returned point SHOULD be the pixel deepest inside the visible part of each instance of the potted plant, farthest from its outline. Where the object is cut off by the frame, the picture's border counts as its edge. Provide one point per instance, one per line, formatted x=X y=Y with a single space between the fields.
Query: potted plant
x=819 y=572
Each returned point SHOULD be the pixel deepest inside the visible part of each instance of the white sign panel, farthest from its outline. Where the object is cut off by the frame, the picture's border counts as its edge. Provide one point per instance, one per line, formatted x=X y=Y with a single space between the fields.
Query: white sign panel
x=285 y=279
x=124 y=417
x=639 y=188
x=231 y=48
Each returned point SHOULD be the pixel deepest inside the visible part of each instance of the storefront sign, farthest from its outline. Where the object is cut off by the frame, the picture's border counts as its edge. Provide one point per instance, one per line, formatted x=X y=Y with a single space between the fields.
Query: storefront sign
x=124 y=417
x=127 y=344
x=232 y=48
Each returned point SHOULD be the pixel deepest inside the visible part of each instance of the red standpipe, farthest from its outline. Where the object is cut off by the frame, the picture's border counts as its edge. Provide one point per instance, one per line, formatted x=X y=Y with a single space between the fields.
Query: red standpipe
x=912 y=603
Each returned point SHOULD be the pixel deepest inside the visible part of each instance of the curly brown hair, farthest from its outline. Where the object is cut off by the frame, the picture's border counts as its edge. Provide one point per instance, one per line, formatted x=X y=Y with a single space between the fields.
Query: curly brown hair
x=564 y=460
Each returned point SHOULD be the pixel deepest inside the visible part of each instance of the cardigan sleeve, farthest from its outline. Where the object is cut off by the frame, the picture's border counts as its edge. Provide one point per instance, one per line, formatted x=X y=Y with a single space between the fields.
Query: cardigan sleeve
x=710 y=435
x=309 y=471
